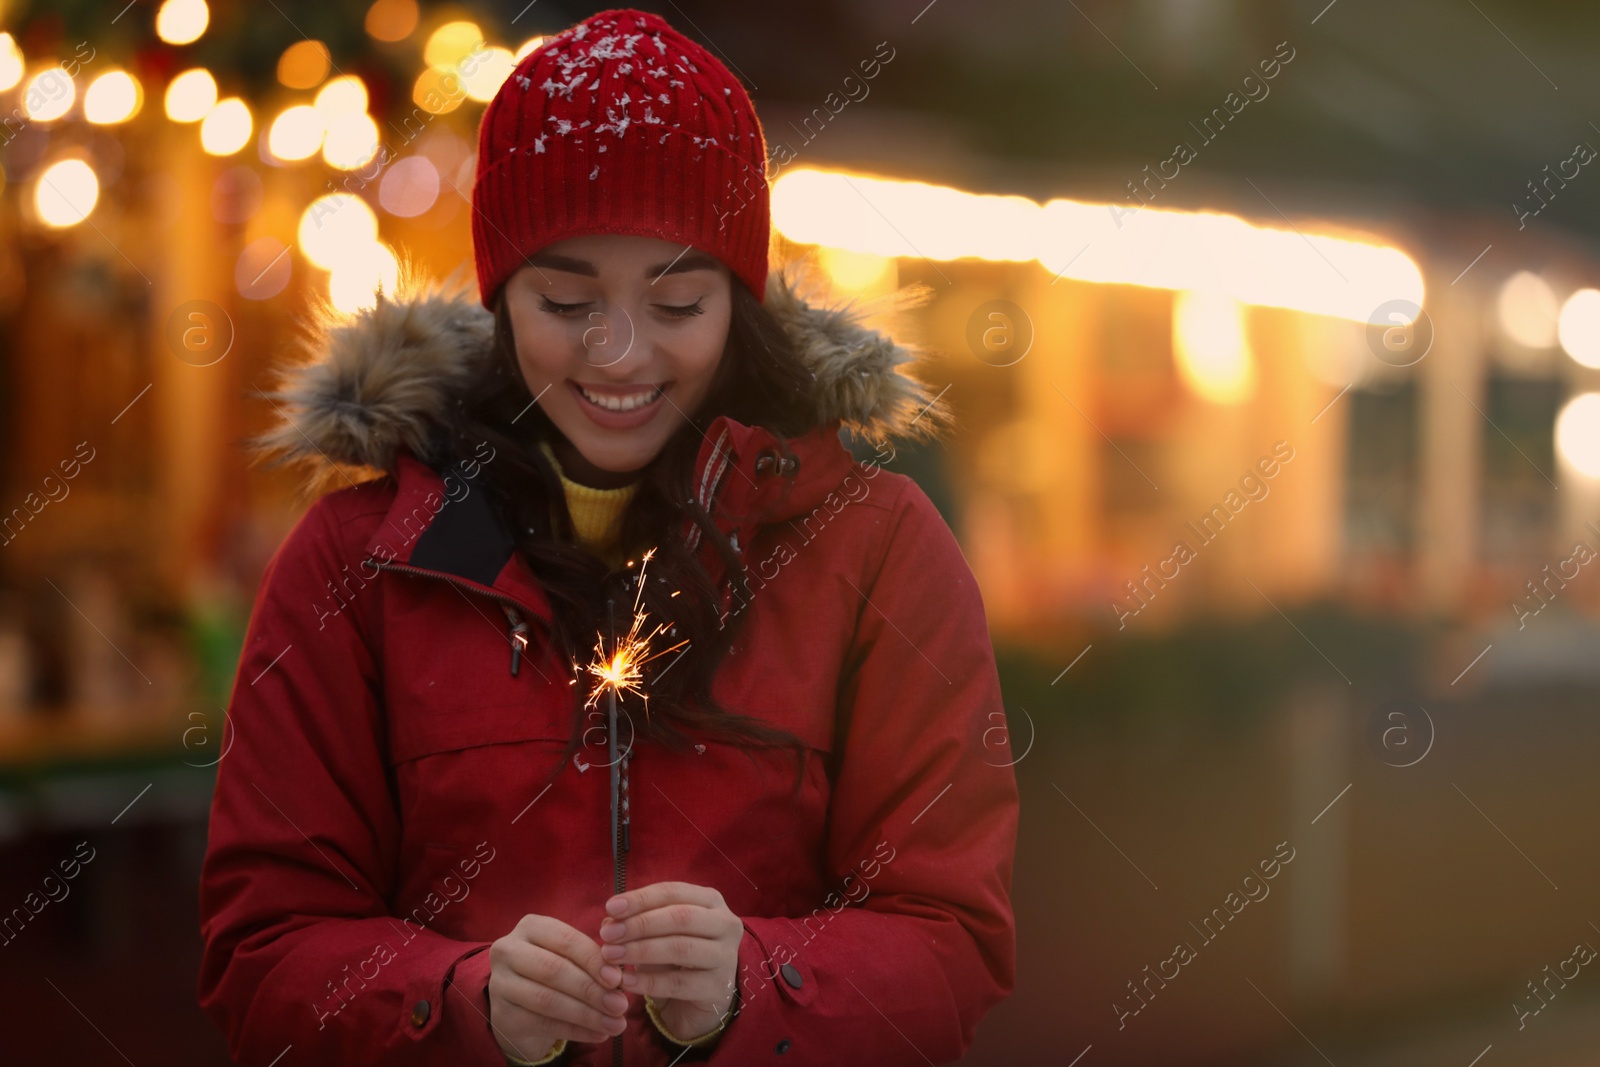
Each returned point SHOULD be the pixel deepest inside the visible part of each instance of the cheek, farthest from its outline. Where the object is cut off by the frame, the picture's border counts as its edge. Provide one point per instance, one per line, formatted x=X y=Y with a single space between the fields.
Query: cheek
x=700 y=352
x=541 y=350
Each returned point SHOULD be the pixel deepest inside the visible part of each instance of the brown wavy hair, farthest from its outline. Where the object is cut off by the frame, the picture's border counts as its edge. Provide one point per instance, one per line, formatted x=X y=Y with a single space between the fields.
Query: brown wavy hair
x=756 y=381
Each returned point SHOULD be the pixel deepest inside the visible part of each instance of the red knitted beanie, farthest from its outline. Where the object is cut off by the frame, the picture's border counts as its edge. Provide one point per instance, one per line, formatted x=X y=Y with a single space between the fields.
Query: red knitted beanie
x=620 y=124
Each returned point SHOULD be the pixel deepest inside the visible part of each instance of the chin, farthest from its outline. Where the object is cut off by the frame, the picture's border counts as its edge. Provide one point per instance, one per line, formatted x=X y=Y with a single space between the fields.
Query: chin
x=616 y=458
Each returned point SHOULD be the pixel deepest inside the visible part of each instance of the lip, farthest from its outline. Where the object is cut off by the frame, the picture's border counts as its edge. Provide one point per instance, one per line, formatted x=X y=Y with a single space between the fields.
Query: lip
x=617 y=420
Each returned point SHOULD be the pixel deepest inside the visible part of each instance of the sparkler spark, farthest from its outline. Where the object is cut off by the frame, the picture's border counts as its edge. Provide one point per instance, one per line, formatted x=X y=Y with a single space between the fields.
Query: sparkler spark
x=622 y=668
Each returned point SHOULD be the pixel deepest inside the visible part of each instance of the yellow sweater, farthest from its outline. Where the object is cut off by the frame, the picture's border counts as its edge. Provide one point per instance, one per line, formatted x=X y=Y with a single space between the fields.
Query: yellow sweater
x=596 y=513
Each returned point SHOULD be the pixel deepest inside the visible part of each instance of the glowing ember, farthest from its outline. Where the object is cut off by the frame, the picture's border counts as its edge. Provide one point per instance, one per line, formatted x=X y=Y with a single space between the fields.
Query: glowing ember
x=621 y=670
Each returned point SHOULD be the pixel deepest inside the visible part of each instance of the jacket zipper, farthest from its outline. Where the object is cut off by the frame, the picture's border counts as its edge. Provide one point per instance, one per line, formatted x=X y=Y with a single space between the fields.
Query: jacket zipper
x=519 y=635
x=508 y=604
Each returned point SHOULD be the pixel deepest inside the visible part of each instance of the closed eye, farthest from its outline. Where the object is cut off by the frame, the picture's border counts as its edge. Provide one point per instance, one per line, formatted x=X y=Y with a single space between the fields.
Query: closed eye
x=672 y=310
x=560 y=309
x=684 y=311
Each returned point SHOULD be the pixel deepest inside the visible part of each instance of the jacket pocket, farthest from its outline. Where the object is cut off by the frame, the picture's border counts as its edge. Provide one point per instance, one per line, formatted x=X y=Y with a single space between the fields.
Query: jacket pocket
x=426 y=732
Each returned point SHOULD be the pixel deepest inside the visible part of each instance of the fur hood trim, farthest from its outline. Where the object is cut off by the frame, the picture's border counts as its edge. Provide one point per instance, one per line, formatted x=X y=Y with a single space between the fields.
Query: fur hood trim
x=369 y=385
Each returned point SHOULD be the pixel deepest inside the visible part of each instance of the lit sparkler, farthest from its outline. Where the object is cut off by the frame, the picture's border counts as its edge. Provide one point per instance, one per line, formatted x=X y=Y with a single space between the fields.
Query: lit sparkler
x=622 y=668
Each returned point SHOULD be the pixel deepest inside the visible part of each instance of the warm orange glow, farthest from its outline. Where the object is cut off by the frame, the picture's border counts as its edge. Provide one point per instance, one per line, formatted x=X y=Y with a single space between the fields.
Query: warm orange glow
x=303 y=65
x=392 y=20
x=1294 y=267
x=10 y=61
x=451 y=43
x=622 y=669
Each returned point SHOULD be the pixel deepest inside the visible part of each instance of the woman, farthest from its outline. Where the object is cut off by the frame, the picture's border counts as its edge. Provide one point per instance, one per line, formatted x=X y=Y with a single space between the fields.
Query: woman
x=451 y=827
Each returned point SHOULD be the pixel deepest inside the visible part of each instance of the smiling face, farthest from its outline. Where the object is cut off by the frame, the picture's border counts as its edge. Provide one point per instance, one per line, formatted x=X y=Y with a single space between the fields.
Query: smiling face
x=618 y=337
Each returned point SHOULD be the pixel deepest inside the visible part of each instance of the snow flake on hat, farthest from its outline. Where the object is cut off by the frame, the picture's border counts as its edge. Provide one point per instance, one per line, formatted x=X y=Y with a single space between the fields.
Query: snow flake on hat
x=612 y=63
x=608 y=48
x=552 y=87
x=618 y=124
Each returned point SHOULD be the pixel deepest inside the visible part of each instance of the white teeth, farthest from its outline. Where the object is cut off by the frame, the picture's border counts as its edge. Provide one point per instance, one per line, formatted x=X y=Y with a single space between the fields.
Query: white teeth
x=623 y=403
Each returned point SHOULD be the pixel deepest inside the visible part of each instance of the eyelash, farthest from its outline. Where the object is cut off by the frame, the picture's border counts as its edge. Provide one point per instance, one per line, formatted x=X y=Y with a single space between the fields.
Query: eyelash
x=684 y=312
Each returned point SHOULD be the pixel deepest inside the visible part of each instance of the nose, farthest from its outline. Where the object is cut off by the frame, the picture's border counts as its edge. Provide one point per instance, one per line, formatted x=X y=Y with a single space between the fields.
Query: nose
x=608 y=337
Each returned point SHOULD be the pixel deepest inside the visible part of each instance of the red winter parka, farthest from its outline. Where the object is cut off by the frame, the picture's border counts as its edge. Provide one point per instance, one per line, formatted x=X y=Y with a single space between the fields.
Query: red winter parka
x=379 y=817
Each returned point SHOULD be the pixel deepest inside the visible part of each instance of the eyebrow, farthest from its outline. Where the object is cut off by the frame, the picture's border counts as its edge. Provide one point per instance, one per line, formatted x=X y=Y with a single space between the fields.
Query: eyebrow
x=572 y=265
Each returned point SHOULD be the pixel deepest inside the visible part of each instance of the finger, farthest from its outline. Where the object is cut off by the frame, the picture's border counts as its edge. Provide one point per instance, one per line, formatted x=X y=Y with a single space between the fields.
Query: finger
x=658 y=894
x=679 y=918
x=540 y=965
x=675 y=983
x=696 y=953
x=554 y=1004
x=517 y=1018
x=563 y=939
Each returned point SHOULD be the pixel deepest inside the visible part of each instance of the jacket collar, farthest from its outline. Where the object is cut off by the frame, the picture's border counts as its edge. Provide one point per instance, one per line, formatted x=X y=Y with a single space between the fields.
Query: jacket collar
x=372 y=391
x=442 y=524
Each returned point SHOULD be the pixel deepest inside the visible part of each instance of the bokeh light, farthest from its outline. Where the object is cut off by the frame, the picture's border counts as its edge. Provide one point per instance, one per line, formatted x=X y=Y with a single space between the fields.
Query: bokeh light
x=303 y=65
x=356 y=277
x=351 y=141
x=858 y=272
x=1211 y=345
x=1579 y=327
x=485 y=71
x=409 y=187
x=391 y=20
x=451 y=43
x=182 y=21
x=342 y=95
x=48 y=95
x=438 y=92
x=191 y=95
x=1528 y=310
x=113 y=97
x=11 y=64
x=66 y=193
x=332 y=225
x=296 y=133
x=226 y=127
x=1578 y=434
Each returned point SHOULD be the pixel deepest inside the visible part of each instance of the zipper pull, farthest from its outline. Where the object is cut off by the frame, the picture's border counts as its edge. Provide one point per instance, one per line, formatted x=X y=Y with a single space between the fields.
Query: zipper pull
x=519 y=636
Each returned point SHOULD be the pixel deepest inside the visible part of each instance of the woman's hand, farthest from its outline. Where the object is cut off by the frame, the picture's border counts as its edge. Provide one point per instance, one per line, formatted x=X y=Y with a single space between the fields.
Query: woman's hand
x=547 y=982
x=683 y=945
